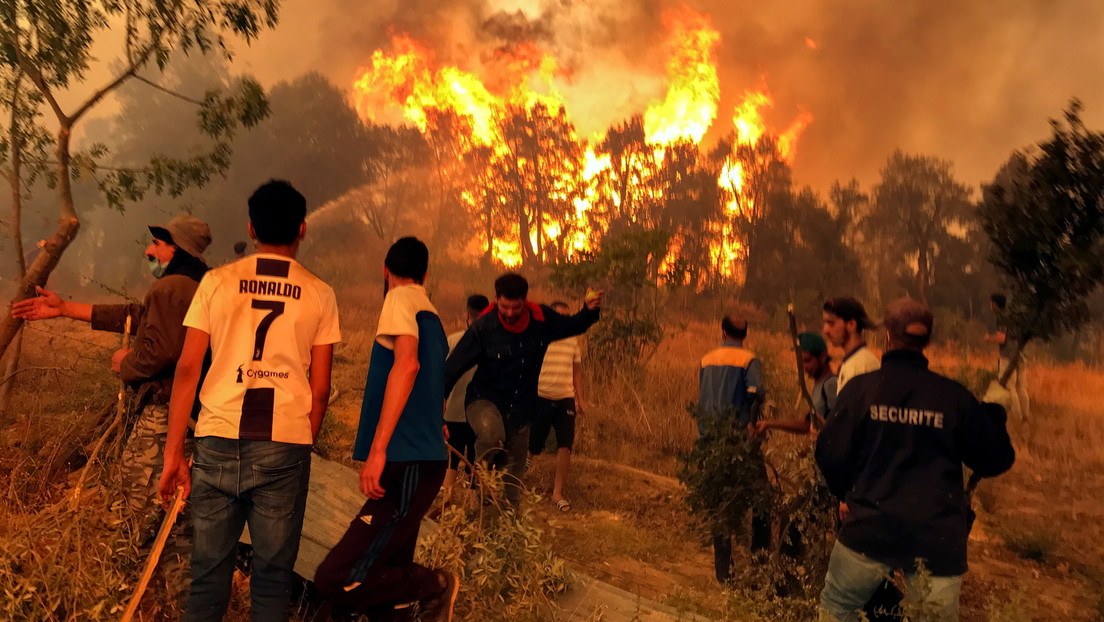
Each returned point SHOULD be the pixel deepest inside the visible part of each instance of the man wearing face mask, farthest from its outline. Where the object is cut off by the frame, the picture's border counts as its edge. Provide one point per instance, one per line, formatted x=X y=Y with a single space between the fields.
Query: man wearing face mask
x=175 y=259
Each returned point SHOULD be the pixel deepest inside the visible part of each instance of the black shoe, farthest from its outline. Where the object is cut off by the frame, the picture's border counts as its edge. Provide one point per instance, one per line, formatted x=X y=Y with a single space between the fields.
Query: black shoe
x=440 y=608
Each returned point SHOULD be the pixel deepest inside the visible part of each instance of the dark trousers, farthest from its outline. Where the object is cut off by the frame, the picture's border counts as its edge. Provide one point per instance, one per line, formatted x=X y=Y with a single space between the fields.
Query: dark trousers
x=722 y=545
x=373 y=564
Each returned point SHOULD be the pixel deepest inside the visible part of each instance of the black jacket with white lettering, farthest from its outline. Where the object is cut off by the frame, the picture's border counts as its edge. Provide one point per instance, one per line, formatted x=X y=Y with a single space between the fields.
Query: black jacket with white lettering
x=893 y=449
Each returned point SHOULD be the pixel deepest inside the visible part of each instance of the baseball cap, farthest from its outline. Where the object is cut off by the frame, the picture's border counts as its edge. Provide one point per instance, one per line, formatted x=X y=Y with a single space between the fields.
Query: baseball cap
x=848 y=309
x=186 y=232
x=909 y=321
x=812 y=343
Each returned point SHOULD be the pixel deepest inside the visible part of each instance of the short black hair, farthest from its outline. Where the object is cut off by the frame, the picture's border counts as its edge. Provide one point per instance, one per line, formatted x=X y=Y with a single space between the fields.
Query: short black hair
x=511 y=286
x=847 y=308
x=408 y=258
x=999 y=300
x=734 y=326
x=240 y=247
x=277 y=211
x=477 y=303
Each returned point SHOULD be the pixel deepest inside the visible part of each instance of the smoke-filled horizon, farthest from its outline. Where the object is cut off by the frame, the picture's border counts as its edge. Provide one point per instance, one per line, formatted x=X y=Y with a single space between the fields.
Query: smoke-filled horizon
x=960 y=81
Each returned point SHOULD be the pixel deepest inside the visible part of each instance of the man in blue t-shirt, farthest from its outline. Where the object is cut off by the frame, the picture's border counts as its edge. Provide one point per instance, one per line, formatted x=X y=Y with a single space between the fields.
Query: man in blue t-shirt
x=401 y=439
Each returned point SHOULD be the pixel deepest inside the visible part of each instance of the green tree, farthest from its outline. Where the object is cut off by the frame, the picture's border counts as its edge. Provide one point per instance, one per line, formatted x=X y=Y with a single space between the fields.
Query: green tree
x=1044 y=215
x=48 y=48
x=629 y=256
x=918 y=208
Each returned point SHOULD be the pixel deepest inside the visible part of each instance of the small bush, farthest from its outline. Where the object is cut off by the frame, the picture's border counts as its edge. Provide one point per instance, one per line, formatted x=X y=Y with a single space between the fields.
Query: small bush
x=507 y=571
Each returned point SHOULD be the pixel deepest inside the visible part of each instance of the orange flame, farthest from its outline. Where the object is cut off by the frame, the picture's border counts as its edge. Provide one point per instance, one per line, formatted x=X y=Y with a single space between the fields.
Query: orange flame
x=688 y=110
x=522 y=78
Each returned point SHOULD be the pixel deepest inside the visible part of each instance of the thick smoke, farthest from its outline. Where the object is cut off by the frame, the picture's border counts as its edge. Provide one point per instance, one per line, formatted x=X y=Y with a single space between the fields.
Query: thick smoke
x=964 y=81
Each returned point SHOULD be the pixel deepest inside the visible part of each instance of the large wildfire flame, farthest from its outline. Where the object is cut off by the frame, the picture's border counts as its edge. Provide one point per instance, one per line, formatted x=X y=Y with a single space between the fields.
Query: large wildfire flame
x=587 y=184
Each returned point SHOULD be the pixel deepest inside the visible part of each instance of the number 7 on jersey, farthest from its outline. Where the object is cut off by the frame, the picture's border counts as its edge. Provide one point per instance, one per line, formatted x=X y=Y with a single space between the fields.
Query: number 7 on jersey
x=275 y=309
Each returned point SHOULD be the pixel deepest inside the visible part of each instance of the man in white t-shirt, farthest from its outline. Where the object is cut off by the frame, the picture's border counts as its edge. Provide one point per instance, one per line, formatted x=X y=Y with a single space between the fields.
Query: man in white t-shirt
x=845 y=320
x=560 y=389
x=270 y=325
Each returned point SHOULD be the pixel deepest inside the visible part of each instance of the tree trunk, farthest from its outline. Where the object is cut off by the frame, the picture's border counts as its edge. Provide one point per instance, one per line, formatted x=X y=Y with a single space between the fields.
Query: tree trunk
x=47 y=260
x=15 y=181
x=923 y=270
x=7 y=386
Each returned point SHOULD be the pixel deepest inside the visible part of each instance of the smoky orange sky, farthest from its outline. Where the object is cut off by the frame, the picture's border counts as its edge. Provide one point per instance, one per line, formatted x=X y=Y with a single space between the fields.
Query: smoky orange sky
x=964 y=80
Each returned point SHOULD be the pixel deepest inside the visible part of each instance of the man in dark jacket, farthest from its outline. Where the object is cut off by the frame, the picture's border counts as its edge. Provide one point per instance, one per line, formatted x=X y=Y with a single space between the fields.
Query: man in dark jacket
x=175 y=258
x=893 y=449
x=508 y=343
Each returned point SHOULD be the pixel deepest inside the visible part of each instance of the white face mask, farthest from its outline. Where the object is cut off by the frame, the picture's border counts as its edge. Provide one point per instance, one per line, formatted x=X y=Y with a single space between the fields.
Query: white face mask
x=156 y=268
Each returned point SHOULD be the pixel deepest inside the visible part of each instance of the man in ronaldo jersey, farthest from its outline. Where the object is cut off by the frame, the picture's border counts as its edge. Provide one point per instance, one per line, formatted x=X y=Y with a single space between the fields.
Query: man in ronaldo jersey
x=271 y=326
x=401 y=439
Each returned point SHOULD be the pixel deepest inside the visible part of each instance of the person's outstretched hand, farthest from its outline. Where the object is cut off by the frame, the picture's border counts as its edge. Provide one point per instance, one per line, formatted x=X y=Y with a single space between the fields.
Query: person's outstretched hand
x=42 y=307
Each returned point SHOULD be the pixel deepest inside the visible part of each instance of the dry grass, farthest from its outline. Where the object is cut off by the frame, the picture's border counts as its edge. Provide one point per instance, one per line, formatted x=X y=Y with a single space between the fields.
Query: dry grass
x=1052 y=495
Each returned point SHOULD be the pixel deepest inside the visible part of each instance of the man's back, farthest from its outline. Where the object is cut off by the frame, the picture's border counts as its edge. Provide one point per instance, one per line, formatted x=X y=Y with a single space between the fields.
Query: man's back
x=263 y=313
x=726 y=378
x=556 y=380
x=407 y=311
x=894 y=450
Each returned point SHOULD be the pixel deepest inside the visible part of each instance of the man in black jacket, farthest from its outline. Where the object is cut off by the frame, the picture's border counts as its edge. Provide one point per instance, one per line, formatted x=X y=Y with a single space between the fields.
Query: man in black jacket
x=508 y=343
x=893 y=450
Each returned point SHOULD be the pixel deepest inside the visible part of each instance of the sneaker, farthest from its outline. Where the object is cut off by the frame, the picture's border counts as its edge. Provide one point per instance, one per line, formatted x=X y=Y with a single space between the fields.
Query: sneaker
x=440 y=608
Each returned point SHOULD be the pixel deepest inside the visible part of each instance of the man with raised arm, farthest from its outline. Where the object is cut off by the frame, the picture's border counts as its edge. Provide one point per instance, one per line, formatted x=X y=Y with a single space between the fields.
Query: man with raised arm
x=508 y=344
x=175 y=259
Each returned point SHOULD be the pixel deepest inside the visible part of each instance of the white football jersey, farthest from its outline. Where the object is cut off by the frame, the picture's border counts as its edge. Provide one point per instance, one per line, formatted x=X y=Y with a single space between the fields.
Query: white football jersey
x=263 y=313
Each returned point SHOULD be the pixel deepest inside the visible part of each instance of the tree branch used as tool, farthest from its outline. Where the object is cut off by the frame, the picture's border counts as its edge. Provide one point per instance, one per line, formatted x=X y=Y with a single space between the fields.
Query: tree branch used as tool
x=155 y=554
x=817 y=419
x=120 y=414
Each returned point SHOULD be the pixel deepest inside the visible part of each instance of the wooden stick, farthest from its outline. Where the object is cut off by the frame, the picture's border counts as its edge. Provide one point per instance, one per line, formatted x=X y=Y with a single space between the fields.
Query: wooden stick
x=800 y=370
x=155 y=554
x=120 y=414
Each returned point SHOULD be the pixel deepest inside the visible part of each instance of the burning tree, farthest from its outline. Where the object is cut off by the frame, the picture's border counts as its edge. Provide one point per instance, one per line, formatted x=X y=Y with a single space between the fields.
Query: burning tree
x=537 y=193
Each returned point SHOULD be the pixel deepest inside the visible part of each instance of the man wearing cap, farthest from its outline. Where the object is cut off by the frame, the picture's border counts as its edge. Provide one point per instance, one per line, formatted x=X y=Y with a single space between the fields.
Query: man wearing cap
x=175 y=259
x=894 y=448
x=817 y=366
x=731 y=384
x=845 y=320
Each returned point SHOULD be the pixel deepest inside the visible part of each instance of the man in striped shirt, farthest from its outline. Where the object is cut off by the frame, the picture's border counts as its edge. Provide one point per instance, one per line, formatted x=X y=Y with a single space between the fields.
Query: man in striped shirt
x=560 y=389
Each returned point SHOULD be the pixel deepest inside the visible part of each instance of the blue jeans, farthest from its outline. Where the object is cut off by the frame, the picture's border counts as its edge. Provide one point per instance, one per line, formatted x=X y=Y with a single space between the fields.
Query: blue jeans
x=234 y=482
x=853 y=578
